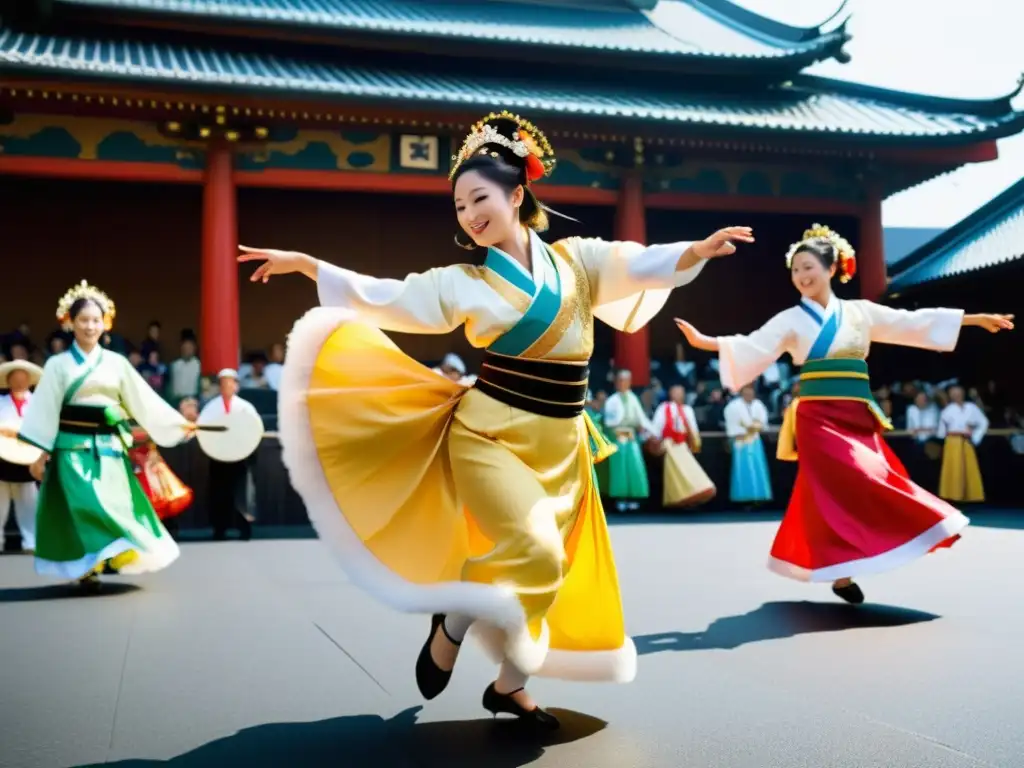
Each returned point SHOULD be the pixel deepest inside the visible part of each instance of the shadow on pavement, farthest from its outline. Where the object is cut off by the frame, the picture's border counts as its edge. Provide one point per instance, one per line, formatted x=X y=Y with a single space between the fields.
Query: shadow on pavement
x=63 y=592
x=371 y=741
x=774 y=621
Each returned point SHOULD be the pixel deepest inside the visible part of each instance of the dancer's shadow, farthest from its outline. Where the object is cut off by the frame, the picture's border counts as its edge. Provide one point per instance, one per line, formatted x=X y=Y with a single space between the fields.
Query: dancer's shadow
x=63 y=592
x=773 y=621
x=370 y=741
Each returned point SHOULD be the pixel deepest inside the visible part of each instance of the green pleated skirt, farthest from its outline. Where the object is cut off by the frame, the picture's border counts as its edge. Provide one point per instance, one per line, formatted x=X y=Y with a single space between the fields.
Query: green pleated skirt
x=92 y=509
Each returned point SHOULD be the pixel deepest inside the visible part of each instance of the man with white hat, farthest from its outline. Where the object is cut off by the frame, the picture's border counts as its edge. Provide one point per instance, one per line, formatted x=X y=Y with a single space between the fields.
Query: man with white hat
x=16 y=483
x=227 y=480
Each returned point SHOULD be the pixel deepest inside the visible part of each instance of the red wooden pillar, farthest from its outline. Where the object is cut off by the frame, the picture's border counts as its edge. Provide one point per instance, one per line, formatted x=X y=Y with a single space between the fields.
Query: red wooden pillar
x=632 y=350
x=219 y=333
x=871 y=250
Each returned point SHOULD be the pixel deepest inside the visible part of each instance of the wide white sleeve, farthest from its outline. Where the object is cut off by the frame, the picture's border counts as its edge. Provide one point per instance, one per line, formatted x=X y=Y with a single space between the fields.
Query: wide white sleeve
x=621 y=268
x=424 y=302
x=660 y=420
x=741 y=359
x=614 y=411
x=41 y=422
x=164 y=424
x=934 y=329
x=977 y=417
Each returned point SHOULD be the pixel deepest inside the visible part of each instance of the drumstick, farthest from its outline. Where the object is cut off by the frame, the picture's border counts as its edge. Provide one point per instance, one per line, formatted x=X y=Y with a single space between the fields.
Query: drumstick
x=210 y=427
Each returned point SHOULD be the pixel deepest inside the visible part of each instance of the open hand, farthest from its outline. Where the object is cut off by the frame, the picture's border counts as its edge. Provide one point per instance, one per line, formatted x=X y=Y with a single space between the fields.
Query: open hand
x=994 y=323
x=276 y=262
x=723 y=242
x=38 y=468
x=697 y=339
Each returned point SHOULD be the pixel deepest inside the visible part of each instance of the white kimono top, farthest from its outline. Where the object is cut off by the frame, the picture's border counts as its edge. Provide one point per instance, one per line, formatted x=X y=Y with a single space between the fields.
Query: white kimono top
x=9 y=409
x=626 y=412
x=546 y=314
x=740 y=416
x=843 y=329
x=683 y=417
x=964 y=419
x=922 y=423
x=103 y=378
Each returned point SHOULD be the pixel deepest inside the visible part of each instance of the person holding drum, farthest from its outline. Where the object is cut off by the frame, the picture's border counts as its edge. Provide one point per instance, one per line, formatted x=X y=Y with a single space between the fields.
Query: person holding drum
x=92 y=511
x=229 y=457
x=16 y=483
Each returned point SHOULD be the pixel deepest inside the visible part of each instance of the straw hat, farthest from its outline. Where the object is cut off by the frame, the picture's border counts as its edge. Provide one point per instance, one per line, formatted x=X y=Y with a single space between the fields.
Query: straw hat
x=34 y=372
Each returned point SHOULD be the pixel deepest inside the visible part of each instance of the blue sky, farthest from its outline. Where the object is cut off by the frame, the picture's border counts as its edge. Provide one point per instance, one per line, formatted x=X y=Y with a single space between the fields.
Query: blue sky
x=971 y=49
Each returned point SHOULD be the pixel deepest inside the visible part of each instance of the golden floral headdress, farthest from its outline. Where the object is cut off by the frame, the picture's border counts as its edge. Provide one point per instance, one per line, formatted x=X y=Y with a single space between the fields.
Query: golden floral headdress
x=85 y=291
x=845 y=255
x=528 y=143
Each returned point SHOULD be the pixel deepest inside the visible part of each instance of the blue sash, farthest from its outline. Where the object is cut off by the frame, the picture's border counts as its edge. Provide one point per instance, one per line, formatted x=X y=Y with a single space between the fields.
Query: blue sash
x=827 y=333
x=543 y=309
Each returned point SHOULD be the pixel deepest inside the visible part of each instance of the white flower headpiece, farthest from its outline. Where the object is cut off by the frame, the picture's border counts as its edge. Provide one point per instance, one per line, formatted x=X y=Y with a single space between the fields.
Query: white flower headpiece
x=85 y=291
x=845 y=254
x=529 y=143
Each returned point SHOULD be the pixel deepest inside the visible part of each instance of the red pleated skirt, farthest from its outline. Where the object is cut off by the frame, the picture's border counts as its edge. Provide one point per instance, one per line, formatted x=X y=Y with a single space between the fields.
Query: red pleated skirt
x=854 y=510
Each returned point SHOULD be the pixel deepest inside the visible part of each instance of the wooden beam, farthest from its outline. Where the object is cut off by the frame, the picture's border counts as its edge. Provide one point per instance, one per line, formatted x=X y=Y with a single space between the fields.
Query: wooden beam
x=403 y=184
x=97 y=170
x=809 y=206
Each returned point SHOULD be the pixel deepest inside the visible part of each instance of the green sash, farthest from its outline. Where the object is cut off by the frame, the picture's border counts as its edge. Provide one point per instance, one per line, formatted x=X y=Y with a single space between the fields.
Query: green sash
x=543 y=309
x=840 y=379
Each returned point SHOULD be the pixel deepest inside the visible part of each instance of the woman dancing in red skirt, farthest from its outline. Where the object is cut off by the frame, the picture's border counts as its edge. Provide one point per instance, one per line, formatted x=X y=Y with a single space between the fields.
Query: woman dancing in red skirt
x=854 y=510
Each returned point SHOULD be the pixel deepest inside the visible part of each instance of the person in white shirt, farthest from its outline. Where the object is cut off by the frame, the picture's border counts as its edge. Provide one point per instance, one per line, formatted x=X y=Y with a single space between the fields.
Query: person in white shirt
x=17 y=487
x=627 y=473
x=745 y=420
x=228 y=481
x=922 y=418
x=272 y=372
x=685 y=481
x=184 y=373
x=962 y=426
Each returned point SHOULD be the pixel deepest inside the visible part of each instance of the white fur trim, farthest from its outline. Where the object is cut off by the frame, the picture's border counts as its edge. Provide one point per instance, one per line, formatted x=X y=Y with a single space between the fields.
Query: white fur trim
x=905 y=553
x=496 y=605
x=501 y=628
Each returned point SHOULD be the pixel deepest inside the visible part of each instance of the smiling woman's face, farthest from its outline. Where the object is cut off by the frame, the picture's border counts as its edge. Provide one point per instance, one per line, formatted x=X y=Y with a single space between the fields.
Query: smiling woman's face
x=487 y=213
x=809 y=275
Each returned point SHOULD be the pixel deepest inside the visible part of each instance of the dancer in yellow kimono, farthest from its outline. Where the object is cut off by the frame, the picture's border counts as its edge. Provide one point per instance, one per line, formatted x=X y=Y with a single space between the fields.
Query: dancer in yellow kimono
x=476 y=504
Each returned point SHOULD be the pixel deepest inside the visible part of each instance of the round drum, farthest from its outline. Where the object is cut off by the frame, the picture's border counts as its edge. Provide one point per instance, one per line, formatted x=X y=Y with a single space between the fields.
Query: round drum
x=14 y=450
x=236 y=443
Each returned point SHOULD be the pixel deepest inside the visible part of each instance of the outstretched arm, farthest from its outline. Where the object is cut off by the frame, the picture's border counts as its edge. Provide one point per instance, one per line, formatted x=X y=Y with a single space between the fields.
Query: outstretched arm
x=934 y=329
x=743 y=358
x=617 y=270
x=421 y=303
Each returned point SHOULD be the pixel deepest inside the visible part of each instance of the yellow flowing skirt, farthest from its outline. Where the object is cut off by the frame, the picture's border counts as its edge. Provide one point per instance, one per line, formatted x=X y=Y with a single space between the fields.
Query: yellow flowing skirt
x=439 y=499
x=685 y=481
x=960 y=479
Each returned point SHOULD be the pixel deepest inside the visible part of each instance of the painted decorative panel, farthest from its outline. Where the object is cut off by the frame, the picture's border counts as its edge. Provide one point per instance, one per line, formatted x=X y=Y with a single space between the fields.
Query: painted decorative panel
x=88 y=138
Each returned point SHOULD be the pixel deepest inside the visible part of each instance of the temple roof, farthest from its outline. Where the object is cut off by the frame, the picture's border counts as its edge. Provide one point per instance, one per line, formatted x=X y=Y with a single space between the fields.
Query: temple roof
x=805 y=106
x=674 y=29
x=993 y=234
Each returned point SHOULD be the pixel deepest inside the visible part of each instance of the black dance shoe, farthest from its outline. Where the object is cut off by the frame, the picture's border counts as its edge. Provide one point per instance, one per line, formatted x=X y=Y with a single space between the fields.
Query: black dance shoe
x=430 y=678
x=495 y=702
x=851 y=593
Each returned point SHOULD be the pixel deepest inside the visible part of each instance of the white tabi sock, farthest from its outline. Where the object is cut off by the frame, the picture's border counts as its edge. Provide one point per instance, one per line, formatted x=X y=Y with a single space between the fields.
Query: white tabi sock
x=509 y=679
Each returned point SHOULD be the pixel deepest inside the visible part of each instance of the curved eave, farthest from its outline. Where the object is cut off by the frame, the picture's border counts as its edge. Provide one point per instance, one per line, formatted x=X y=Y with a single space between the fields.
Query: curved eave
x=794 y=112
x=326 y=28
x=989 y=237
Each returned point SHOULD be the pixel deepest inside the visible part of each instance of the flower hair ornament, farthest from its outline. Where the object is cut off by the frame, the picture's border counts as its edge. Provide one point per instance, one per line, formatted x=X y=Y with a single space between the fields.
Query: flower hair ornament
x=845 y=255
x=519 y=136
x=85 y=291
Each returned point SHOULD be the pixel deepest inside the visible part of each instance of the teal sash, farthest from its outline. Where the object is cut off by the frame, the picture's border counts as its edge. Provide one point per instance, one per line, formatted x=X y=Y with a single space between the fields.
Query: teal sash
x=543 y=309
x=826 y=334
